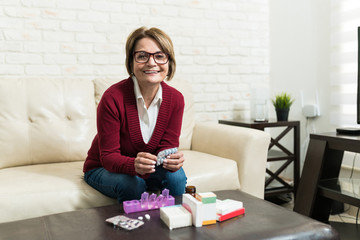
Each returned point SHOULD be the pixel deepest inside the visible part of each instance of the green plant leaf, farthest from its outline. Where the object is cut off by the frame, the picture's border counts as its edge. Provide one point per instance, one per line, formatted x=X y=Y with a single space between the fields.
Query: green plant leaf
x=282 y=101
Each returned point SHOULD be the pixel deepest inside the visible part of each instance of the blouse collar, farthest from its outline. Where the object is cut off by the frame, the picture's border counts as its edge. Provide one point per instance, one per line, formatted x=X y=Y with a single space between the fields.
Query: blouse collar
x=138 y=95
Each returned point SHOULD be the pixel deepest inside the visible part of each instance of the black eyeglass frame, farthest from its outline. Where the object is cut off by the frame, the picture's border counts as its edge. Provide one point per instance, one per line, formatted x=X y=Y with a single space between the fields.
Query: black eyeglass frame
x=153 y=55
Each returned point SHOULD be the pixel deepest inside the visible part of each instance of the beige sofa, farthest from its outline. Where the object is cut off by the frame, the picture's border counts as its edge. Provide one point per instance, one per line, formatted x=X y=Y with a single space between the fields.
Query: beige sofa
x=47 y=125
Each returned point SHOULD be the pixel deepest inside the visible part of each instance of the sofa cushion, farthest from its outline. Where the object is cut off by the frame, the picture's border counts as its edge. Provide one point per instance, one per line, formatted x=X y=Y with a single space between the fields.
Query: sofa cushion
x=45 y=121
x=188 y=123
x=54 y=188
x=210 y=173
x=101 y=84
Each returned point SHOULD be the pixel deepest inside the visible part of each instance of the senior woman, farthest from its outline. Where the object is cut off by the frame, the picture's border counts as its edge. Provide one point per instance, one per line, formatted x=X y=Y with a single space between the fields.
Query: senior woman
x=136 y=119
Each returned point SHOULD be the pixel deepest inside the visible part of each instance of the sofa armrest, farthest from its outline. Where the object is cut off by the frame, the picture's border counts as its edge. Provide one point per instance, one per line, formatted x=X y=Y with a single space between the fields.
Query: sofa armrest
x=248 y=147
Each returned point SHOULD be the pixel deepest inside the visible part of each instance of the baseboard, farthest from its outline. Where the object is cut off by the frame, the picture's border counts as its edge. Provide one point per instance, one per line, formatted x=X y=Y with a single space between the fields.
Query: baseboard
x=347 y=171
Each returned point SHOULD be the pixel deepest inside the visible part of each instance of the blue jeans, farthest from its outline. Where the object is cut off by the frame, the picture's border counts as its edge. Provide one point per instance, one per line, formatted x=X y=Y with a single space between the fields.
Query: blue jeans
x=124 y=187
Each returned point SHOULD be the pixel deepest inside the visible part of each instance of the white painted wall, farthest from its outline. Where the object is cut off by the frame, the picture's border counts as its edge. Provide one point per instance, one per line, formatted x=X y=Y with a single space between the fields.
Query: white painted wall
x=299 y=57
x=300 y=53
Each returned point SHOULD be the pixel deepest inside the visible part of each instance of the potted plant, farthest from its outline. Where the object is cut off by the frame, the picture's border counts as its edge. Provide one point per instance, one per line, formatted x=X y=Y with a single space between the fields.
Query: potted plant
x=282 y=103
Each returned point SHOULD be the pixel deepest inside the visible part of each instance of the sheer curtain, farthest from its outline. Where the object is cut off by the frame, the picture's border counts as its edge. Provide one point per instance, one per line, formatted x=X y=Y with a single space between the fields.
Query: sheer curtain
x=345 y=19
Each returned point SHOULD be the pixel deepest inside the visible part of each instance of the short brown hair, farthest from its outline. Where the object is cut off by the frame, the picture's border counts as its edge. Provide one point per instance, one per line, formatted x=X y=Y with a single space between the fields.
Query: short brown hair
x=160 y=37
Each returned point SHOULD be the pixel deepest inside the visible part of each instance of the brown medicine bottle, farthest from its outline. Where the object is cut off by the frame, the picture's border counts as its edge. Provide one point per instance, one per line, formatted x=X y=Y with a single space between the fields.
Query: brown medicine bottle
x=191 y=190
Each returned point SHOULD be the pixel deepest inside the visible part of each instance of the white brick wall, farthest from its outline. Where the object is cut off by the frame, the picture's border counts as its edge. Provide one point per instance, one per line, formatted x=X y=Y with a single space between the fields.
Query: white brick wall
x=221 y=45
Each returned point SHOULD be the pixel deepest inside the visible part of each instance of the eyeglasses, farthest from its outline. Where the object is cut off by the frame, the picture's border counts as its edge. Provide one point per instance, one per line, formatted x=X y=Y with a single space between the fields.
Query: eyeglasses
x=143 y=57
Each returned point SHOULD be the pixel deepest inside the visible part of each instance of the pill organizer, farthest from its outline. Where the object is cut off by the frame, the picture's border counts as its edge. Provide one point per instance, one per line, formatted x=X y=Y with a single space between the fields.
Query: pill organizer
x=149 y=202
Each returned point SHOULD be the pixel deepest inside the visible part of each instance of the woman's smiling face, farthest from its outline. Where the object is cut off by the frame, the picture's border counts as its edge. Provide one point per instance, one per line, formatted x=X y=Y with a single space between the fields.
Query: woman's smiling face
x=149 y=72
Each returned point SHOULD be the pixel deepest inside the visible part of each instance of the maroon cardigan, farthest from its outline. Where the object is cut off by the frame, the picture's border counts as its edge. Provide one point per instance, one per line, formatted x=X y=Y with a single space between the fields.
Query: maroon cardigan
x=119 y=136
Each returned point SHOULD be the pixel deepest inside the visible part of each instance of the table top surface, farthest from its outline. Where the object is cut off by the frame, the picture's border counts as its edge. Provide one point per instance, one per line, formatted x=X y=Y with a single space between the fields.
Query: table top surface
x=259 y=124
x=335 y=136
x=262 y=220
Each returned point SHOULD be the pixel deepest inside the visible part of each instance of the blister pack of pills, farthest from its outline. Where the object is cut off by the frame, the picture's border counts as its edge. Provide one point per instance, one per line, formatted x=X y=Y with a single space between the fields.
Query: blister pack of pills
x=125 y=222
x=163 y=155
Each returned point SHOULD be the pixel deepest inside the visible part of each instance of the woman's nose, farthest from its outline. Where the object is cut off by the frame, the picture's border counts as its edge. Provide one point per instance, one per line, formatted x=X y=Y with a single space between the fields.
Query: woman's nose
x=151 y=60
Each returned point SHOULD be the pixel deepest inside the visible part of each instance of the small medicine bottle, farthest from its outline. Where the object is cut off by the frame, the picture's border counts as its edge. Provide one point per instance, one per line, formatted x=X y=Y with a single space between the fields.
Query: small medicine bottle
x=191 y=190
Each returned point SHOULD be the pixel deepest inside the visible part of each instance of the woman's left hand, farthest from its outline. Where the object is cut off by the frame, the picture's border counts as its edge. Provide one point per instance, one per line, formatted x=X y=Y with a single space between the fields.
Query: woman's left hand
x=174 y=161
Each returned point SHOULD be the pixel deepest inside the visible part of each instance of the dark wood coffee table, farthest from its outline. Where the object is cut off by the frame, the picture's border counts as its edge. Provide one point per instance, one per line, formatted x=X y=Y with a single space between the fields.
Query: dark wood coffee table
x=261 y=220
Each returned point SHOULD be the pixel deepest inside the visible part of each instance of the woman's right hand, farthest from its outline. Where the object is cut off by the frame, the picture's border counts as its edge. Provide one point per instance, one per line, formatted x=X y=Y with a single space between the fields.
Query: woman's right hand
x=145 y=163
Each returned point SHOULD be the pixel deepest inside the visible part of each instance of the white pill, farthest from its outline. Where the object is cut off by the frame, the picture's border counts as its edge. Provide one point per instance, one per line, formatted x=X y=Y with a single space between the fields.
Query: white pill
x=147 y=216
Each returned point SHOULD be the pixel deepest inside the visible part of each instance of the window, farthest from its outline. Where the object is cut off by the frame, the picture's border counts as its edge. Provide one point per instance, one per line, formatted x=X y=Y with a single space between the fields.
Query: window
x=345 y=19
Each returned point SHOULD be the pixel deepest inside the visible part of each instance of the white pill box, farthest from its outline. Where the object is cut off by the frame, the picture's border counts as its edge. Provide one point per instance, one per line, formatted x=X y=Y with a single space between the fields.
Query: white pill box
x=175 y=216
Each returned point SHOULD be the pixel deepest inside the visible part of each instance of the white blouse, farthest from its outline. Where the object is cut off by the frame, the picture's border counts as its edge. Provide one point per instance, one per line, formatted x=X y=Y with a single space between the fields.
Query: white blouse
x=147 y=116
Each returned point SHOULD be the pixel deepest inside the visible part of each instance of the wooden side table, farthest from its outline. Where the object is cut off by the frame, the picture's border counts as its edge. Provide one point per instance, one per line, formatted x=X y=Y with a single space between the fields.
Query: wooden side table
x=283 y=154
x=320 y=183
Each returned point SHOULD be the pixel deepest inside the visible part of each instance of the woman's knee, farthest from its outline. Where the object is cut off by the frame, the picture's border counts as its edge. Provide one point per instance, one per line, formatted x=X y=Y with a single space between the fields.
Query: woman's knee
x=176 y=182
x=130 y=188
x=120 y=186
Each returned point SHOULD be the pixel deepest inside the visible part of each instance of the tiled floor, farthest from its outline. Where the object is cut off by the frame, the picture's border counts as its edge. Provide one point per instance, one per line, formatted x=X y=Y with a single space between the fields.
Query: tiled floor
x=343 y=217
x=349 y=215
